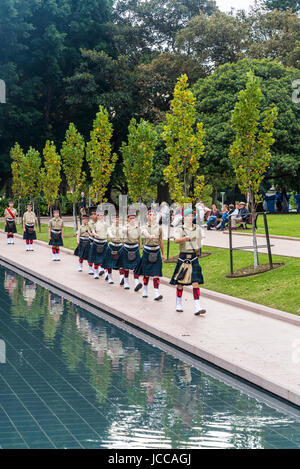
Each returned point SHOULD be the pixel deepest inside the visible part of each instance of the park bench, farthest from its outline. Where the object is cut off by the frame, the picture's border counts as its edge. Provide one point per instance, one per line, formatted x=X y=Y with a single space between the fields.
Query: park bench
x=249 y=221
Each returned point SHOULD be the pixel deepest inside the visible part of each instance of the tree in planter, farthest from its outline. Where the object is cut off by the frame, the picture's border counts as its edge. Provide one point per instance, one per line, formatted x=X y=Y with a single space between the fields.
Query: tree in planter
x=250 y=151
x=72 y=154
x=185 y=146
x=138 y=156
x=30 y=174
x=16 y=155
x=99 y=157
x=51 y=178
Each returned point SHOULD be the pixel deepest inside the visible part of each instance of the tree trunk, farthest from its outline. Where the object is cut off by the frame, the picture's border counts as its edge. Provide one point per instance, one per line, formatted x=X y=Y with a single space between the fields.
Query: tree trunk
x=75 y=217
x=255 y=250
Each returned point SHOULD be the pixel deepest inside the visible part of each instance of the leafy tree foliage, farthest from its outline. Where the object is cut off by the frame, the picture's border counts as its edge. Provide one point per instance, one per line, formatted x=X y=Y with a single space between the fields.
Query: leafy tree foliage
x=100 y=159
x=184 y=145
x=216 y=97
x=138 y=156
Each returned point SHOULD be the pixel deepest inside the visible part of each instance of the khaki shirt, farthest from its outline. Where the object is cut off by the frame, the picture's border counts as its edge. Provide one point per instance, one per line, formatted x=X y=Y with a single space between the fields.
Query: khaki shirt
x=8 y=215
x=56 y=224
x=115 y=234
x=100 y=229
x=91 y=225
x=83 y=231
x=131 y=234
x=194 y=234
x=29 y=218
x=155 y=230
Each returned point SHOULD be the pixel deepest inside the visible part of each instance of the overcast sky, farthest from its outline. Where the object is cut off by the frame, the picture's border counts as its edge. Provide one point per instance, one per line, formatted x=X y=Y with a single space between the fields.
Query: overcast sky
x=225 y=5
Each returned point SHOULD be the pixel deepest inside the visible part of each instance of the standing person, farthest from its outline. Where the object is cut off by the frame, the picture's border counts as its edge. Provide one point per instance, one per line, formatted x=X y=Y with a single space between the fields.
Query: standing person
x=130 y=256
x=187 y=270
x=99 y=244
x=56 y=234
x=91 y=227
x=83 y=244
x=153 y=255
x=114 y=249
x=10 y=215
x=29 y=227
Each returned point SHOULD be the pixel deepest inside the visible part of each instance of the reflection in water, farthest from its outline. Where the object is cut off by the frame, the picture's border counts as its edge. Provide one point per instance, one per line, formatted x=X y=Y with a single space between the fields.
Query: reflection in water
x=142 y=397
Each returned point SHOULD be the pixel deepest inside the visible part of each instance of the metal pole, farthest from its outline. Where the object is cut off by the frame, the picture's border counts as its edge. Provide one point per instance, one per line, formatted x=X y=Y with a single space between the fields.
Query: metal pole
x=268 y=240
x=230 y=246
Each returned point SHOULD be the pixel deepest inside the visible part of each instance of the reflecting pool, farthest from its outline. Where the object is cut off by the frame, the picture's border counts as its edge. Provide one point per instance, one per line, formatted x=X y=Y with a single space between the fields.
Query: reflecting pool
x=69 y=379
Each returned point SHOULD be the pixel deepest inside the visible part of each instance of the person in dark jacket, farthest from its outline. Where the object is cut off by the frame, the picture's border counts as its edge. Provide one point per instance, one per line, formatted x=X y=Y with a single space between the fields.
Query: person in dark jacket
x=242 y=216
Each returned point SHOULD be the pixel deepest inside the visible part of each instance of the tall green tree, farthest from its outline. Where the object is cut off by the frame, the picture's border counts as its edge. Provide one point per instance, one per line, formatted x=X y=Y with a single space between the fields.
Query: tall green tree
x=250 y=151
x=50 y=176
x=138 y=156
x=30 y=175
x=184 y=143
x=72 y=154
x=99 y=156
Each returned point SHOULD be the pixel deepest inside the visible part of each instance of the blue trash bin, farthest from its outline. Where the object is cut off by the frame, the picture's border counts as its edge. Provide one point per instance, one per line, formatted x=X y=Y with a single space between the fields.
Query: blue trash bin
x=270 y=200
x=297 y=197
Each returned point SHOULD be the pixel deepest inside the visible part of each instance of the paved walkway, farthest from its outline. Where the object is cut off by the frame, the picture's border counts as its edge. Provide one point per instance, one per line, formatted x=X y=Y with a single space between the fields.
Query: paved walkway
x=249 y=340
x=280 y=247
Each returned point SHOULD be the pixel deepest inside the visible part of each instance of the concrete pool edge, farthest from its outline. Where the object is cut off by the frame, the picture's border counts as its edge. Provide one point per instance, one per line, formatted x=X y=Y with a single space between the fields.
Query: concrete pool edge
x=256 y=308
x=240 y=371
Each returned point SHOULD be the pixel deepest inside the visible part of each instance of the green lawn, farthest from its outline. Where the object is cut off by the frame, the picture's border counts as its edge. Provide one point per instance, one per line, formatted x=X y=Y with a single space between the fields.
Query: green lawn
x=278 y=289
x=283 y=225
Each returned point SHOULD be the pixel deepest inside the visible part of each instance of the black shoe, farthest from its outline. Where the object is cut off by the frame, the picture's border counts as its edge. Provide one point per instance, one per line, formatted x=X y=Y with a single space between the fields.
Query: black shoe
x=126 y=288
x=158 y=298
x=179 y=310
x=201 y=311
x=122 y=282
x=101 y=273
x=138 y=287
x=106 y=279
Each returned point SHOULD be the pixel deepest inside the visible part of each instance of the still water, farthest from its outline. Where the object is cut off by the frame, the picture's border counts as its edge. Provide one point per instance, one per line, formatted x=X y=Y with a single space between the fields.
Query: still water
x=72 y=380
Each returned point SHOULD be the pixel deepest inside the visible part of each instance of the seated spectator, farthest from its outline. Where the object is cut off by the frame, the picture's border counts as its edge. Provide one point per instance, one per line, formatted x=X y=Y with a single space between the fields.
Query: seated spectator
x=242 y=216
x=213 y=218
x=224 y=218
x=231 y=210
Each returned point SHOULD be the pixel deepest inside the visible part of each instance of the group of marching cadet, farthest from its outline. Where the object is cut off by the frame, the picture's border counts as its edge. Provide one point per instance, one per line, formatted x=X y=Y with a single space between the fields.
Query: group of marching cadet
x=109 y=247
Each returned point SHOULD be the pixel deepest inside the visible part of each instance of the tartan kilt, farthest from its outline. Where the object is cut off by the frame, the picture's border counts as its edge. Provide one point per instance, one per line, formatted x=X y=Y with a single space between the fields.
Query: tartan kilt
x=196 y=271
x=82 y=250
x=56 y=242
x=125 y=263
x=10 y=227
x=29 y=236
x=94 y=256
x=110 y=263
x=89 y=259
x=149 y=269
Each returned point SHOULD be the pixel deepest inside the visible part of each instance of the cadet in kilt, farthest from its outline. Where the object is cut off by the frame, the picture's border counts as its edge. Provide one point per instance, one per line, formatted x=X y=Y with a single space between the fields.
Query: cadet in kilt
x=10 y=215
x=29 y=227
x=99 y=244
x=91 y=226
x=130 y=255
x=56 y=234
x=83 y=245
x=187 y=270
x=153 y=254
x=114 y=248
